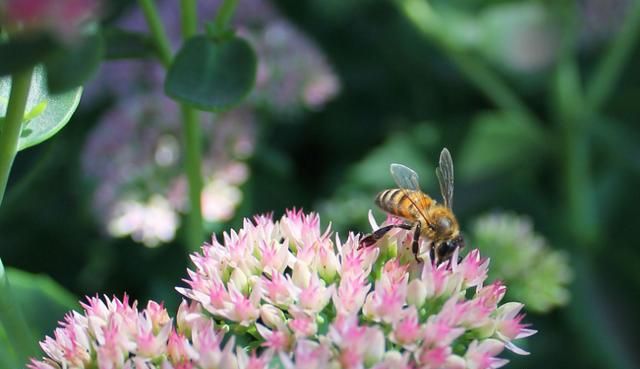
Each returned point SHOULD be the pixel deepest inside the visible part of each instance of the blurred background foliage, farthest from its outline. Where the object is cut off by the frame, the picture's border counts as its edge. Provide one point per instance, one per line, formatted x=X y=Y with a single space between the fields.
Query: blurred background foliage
x=518 y=91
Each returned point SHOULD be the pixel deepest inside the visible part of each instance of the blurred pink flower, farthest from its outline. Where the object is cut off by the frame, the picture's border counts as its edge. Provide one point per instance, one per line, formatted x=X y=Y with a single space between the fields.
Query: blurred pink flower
x=62 y=17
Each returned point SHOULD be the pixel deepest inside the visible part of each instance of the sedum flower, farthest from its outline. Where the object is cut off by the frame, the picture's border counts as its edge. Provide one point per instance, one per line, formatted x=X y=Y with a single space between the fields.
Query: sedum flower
x=245 y=313
x=536 y=274
x=375 y=311
x=113 y=334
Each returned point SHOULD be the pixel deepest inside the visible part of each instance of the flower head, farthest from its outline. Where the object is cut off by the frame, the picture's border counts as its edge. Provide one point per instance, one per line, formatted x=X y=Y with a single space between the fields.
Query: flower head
x=537 y=274
x=374 y=301
x=282 y=309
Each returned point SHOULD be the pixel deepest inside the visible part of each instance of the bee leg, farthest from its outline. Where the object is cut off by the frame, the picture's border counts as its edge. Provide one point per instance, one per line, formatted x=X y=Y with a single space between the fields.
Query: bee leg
x=379 y=233
x=415 y=244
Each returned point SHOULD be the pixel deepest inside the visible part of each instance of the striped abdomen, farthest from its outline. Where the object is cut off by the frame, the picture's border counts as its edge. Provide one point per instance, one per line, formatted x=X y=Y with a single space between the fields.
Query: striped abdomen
x=397 y=202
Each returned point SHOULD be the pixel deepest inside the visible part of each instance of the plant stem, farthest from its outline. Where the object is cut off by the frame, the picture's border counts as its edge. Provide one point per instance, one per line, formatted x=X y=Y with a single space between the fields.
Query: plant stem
x=12 y=125
x=157 y=31
x=189 y=18
x=573 y=121
x=193 y=151
x=426 y=20
x=225 y=12
x=14 y=323
x=581 y=208
x=190 y=122
x=192 y=142
x=611 y=65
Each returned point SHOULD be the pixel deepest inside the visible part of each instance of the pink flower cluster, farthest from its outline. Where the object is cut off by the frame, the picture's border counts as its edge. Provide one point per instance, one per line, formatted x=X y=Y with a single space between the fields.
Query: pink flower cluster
x=338 y=305
x=285 y=292
x=113 y=333
x=63 y=17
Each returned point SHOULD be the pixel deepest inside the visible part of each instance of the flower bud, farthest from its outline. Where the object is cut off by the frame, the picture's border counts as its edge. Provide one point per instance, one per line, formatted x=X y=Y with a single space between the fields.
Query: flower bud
x=239 y=279
x=375 y=347
x=416 y=293
x=301 y=274
x=455 y=362
x=272 y=316
x=486 y=329
x=393 y=358
x=328 y=265
x=188 y=315
x=157 y=314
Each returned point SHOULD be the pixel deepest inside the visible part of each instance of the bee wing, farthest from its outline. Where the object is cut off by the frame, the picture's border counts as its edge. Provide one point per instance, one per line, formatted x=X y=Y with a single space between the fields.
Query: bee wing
x=444 y=172
x=405 y=177
x=408 y=181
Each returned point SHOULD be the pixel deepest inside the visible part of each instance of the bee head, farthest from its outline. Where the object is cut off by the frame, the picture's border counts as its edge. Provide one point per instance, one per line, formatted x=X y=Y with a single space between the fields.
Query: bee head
x=446 y=248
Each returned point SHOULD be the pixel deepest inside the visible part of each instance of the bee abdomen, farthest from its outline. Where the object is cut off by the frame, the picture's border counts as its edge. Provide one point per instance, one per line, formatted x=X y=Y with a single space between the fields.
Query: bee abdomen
x=393 y=201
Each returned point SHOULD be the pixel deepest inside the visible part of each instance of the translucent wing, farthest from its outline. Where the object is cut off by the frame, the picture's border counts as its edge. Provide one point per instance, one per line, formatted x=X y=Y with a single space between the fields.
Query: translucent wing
x=407 y=179
x=444 y=172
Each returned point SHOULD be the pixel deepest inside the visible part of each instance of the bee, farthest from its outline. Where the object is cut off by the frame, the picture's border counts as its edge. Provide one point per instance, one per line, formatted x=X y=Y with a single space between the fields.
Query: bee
x=424 y=216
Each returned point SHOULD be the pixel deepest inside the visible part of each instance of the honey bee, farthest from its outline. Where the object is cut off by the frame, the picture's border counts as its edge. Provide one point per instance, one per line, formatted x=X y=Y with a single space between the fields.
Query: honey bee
x=424 y=216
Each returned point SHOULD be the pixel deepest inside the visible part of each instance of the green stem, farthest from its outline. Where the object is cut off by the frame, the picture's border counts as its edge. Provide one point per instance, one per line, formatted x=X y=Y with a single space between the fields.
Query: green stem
x=157 y=31
x=579 y=192
x=192 y=141
x=189 y=18
x=573 y=121
x=610 y=67
x=225 y=12
x=426 y=20
x=14 y=323
x=12 y=125
x=193 y=149
x=190 y=121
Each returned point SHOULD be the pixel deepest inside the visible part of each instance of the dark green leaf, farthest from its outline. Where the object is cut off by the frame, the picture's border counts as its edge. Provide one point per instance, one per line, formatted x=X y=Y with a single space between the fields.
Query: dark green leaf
x=43 y=301
x=19 y=335
x=121 y=44
x=7 y=356
x=46 y=113
x=25 y=52
x=212 y=75
x=71 y=66
x=499 y=141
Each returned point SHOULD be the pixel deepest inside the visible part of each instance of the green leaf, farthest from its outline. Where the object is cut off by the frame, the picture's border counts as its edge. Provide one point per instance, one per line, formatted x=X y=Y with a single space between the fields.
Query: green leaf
x=43 y=122
x=7 y=356
x=43 y=301
x=72 y=66
x=121 y=44
x=25 y=52
x=19 y=336
x=499 y=141
x=212 y=74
